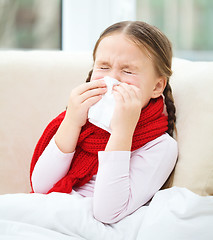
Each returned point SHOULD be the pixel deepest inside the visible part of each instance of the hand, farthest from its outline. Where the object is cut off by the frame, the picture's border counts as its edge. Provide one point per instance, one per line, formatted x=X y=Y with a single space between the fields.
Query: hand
x=127 y=109
x=81 y=99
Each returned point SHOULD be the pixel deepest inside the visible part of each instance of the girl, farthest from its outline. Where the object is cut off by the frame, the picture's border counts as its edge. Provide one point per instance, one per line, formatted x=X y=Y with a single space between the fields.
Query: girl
x=122 y=170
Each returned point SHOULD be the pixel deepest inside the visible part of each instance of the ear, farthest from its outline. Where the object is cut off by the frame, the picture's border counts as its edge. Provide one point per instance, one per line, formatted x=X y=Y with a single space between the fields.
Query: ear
x=159 y=87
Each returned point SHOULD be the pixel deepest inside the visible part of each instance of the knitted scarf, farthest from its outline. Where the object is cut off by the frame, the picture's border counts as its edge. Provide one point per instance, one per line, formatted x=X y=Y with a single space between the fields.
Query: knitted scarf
x=152 y=124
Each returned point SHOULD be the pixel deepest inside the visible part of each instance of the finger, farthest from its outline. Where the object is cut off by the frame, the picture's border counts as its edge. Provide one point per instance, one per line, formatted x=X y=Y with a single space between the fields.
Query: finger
x=90 y=85
x=136 y=90
x=92 y=93
x=124 y=91
x=118 y=97
x=117 y=94
x=132 y=91
x=91 y=101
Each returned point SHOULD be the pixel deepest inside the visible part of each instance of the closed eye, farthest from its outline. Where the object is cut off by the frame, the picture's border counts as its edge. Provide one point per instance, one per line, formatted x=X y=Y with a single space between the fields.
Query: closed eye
x=104 y=68
x=128 y=72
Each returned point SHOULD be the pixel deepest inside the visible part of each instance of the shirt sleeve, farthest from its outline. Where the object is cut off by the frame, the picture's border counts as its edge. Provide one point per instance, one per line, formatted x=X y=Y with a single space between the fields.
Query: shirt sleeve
x=126 y=181
x=51 y=166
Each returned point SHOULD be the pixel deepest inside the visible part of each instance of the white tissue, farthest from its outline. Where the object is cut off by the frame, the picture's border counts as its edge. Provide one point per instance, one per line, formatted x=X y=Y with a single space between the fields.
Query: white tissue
x=100 y=114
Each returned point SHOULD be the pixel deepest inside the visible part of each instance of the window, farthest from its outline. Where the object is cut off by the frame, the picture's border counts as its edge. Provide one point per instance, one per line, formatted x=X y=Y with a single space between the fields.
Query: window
x=188 y=24
x=75 y=25
x=30 y=24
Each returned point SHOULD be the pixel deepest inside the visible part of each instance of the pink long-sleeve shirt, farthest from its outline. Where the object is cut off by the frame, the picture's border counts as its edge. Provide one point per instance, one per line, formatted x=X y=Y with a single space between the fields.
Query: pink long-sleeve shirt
x=124 y=182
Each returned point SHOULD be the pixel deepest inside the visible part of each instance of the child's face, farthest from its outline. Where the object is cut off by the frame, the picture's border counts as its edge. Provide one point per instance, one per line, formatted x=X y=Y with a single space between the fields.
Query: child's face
x=120 y=58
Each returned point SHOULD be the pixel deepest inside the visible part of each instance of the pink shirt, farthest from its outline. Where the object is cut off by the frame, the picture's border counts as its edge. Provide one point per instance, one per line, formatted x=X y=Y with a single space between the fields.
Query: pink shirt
x=125 y=180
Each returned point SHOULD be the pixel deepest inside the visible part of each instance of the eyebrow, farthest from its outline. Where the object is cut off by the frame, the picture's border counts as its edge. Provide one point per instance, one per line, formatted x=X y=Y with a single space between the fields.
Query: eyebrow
x=126 y=65
x=130 y=66
x=102 y=63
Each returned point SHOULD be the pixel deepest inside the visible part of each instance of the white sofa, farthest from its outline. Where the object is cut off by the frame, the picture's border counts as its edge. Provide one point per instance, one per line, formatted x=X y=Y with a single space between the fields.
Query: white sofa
x=35 y=86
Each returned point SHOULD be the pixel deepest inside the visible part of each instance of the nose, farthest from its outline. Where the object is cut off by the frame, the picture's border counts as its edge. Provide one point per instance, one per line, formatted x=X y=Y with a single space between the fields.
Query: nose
x=115 y=74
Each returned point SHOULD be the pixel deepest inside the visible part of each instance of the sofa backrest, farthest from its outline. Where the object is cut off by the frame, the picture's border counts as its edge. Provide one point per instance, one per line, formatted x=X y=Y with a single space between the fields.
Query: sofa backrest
x=35 y=88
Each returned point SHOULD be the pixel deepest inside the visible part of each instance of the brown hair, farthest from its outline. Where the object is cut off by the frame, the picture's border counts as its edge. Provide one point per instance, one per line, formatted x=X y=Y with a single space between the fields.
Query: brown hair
x=159 y=49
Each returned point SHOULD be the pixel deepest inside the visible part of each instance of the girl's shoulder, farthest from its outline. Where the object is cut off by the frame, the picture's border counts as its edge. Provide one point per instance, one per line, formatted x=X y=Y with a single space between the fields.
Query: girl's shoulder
x=164 y=143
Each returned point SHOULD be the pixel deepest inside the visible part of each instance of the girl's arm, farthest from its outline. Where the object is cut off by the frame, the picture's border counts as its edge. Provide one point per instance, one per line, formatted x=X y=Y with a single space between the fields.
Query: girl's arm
x=55 y=161
x=51 y=166
x=125 y=117
x=126 y=181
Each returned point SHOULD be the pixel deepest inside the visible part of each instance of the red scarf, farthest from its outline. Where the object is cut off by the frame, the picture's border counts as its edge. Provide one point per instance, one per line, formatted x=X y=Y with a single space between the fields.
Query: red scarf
x=152 y=124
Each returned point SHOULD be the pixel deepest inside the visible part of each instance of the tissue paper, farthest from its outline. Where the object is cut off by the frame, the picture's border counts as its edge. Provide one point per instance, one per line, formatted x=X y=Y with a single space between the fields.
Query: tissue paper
x=100 y=114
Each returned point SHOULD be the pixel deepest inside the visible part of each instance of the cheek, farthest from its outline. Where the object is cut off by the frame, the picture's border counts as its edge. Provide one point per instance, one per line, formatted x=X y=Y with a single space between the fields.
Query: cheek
x=133 y=81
